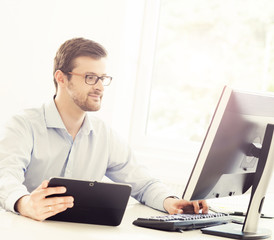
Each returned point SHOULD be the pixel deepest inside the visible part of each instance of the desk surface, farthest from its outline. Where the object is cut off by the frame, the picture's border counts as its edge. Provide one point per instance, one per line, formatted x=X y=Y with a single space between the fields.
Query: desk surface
x=13 y=226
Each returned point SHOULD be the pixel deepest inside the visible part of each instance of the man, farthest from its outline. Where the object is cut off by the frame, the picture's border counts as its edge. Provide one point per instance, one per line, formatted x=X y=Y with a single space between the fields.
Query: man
x=60 y=139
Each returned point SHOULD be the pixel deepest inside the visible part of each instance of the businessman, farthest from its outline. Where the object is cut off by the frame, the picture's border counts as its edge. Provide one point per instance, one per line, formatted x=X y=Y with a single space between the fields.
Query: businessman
x=61 y=139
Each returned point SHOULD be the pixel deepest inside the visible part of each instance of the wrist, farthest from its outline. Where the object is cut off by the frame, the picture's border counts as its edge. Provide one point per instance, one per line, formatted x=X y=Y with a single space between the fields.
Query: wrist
x=168 y=202
x=19 y=205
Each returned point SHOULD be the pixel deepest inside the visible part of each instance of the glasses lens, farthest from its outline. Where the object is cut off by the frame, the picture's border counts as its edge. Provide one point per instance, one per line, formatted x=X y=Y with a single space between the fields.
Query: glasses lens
x=106 y=80
x=91 y=79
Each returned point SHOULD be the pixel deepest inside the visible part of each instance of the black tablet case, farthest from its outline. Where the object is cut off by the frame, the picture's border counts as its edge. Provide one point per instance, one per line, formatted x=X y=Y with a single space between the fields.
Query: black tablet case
x=94 y=202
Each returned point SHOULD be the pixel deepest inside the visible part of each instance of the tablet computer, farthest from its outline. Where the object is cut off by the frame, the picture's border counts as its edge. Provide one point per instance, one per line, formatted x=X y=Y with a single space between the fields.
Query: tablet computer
x=94 y=202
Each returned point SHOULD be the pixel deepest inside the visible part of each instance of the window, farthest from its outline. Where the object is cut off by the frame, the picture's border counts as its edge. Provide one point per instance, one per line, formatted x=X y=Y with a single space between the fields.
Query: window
x=190 y=50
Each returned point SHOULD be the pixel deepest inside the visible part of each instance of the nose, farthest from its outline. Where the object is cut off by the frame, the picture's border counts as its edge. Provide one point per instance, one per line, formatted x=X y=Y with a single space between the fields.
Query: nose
x=99 y=85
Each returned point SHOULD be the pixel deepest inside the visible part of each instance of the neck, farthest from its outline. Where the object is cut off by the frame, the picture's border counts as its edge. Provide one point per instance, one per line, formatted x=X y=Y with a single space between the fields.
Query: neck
x=72 y=116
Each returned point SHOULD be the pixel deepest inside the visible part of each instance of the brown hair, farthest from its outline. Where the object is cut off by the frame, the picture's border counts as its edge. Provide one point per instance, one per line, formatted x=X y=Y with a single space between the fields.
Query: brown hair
x=73 y=48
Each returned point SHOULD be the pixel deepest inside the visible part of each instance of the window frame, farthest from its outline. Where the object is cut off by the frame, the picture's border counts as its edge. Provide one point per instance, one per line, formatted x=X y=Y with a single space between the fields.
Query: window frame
x=145 y=146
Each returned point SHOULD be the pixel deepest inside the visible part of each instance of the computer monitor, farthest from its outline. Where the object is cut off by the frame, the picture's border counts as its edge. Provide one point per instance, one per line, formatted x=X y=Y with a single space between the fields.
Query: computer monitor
x=236 y=155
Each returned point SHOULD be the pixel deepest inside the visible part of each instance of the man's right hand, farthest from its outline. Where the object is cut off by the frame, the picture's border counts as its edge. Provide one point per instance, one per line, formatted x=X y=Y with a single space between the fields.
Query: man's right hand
x=38 y=207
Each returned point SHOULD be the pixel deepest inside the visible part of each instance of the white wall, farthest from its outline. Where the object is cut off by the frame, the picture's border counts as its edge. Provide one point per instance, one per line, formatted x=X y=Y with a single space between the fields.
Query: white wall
x=33 y=30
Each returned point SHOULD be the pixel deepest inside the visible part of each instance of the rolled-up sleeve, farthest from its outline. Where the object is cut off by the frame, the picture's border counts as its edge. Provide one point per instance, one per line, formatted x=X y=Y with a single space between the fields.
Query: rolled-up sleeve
x=124 y=168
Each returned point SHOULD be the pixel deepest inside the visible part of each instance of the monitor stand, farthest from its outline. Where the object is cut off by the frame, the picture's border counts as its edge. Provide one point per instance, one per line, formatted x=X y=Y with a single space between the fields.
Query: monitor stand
x=261 y=179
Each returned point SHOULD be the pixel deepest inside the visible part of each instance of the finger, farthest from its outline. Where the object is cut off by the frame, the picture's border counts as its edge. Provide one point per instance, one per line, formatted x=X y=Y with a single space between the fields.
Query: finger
x=180 y=211
x=186 y=206
x=175 y=211
x=43 y=185
x=53 y=210
x=58 y=208
x=181 y=203
x=40 y=193
x=196 y=207
x=53 y=190
x=204 y=206
x=58 y=200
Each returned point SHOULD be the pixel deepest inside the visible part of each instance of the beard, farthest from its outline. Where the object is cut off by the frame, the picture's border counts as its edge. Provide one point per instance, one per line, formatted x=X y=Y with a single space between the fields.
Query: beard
x=90 y=101
x=87 y=105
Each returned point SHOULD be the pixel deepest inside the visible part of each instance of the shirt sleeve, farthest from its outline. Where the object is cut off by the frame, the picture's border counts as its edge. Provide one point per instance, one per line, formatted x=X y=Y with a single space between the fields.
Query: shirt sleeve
x=124 y=168
x=15 y=150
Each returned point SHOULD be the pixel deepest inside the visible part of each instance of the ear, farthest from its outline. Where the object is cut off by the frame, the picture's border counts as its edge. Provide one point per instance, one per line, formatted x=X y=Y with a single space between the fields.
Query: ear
x=60 y=77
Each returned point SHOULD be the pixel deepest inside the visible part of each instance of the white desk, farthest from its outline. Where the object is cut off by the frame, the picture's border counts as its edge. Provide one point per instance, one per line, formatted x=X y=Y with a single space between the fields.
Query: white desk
x=13 y=226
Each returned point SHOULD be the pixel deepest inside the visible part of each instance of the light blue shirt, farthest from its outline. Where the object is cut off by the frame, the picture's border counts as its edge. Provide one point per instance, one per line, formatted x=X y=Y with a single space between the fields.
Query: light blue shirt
x=36 y=146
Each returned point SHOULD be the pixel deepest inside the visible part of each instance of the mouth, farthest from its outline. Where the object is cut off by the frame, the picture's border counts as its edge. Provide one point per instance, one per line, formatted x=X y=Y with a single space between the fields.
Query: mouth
x=95 y=97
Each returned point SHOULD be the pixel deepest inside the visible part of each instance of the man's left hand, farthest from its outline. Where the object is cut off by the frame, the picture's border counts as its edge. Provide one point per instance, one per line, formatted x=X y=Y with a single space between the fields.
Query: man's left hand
x=179 y=206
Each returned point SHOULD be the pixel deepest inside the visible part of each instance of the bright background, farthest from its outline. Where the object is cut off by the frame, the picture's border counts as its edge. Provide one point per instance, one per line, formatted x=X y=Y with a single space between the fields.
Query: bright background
x=32 y=31
x=169 y=60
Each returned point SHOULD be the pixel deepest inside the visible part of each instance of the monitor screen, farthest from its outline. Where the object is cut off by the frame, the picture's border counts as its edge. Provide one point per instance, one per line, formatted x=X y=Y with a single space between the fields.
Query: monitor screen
x=227 y=163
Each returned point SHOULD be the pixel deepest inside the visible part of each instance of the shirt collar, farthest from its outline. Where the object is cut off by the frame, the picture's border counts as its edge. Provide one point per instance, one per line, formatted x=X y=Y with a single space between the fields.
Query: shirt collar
x=54 y=120
x=86 y=127
x=52 y=116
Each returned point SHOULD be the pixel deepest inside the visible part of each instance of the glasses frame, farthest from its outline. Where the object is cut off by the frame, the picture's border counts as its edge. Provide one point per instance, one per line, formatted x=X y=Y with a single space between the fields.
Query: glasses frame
x=97 y=78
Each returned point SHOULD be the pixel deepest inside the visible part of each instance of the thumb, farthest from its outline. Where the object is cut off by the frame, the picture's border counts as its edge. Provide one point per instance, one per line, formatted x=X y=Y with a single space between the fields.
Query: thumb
x=180 y=211
x=44 y=184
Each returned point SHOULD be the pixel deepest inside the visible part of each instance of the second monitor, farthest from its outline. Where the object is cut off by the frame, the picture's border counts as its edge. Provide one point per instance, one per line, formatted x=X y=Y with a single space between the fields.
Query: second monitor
x=237 y=155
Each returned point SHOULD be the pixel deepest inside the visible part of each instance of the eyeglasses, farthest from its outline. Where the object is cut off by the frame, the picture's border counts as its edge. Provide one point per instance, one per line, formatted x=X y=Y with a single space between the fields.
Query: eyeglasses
x=92 y=79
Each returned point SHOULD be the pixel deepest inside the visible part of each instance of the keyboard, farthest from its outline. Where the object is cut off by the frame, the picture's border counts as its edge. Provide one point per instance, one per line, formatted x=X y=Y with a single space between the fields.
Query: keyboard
x=180 y=222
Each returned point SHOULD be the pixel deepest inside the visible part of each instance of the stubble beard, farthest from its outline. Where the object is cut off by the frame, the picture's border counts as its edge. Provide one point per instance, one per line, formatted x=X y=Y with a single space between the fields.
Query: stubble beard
x=86 y=106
